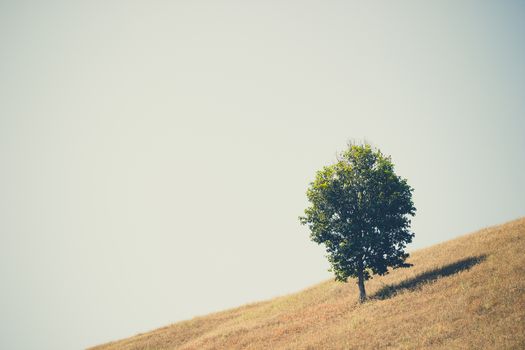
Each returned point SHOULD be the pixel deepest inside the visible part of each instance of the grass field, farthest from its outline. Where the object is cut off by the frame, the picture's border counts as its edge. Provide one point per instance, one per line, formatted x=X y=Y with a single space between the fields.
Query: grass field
x=467 y=293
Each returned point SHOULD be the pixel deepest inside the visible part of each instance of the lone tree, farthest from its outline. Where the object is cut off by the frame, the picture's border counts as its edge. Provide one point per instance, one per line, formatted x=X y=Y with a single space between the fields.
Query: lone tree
x=360 y=211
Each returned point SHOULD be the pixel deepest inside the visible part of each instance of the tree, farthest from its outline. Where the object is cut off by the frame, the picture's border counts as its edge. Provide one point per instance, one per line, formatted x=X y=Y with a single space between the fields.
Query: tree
x=360 y=211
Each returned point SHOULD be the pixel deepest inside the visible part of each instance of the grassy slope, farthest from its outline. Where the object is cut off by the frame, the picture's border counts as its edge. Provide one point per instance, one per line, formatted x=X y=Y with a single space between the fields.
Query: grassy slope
x=468 y=293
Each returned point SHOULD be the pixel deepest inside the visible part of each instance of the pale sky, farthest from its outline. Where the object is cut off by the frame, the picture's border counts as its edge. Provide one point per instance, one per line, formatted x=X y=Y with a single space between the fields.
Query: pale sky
x=155 y=154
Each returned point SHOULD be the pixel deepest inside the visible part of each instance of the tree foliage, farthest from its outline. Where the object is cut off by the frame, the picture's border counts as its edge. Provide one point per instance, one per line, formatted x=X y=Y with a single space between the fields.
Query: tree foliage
x=360 y=211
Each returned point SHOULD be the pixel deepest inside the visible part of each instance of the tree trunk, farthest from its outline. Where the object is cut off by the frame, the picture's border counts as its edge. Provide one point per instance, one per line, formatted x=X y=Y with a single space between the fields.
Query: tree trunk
x=361 y=284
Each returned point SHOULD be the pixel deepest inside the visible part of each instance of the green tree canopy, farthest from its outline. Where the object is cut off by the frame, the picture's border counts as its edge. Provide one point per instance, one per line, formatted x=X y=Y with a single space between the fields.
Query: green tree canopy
x=360 y=211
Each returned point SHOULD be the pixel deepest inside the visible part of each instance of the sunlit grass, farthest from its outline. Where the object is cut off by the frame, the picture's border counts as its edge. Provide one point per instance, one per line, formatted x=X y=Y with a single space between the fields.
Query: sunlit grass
x=468 y=293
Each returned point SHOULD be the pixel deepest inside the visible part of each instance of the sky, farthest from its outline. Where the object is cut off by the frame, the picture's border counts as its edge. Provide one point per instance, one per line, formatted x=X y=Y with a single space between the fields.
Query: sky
x=154 y=155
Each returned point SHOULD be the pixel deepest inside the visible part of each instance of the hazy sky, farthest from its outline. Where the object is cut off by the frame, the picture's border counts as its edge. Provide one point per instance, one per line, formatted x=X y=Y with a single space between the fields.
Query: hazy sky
x=155 y=154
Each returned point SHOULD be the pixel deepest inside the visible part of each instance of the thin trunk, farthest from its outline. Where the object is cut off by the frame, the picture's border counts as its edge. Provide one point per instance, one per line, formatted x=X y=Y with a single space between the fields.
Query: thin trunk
x=361 y=284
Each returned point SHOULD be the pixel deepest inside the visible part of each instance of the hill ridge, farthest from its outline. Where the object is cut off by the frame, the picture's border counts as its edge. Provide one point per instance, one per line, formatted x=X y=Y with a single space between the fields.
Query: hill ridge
x=468 y=292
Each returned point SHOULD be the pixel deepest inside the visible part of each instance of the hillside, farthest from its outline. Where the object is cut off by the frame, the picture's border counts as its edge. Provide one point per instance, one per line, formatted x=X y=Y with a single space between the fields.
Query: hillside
x=467 y=293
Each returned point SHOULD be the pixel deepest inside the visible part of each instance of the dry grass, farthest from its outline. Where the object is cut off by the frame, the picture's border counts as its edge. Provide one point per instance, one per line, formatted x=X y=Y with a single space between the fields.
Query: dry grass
x=468 y=293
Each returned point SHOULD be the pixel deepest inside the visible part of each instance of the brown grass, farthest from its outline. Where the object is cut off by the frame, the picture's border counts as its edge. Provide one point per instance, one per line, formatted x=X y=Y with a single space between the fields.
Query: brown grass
x=467 y=293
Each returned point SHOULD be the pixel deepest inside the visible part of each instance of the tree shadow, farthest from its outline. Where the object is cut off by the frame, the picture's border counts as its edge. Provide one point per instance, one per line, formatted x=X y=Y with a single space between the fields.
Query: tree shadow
x=430 y=276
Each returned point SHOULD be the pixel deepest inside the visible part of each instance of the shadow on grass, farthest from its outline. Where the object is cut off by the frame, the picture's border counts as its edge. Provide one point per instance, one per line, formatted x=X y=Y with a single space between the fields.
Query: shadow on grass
x=414 y=283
